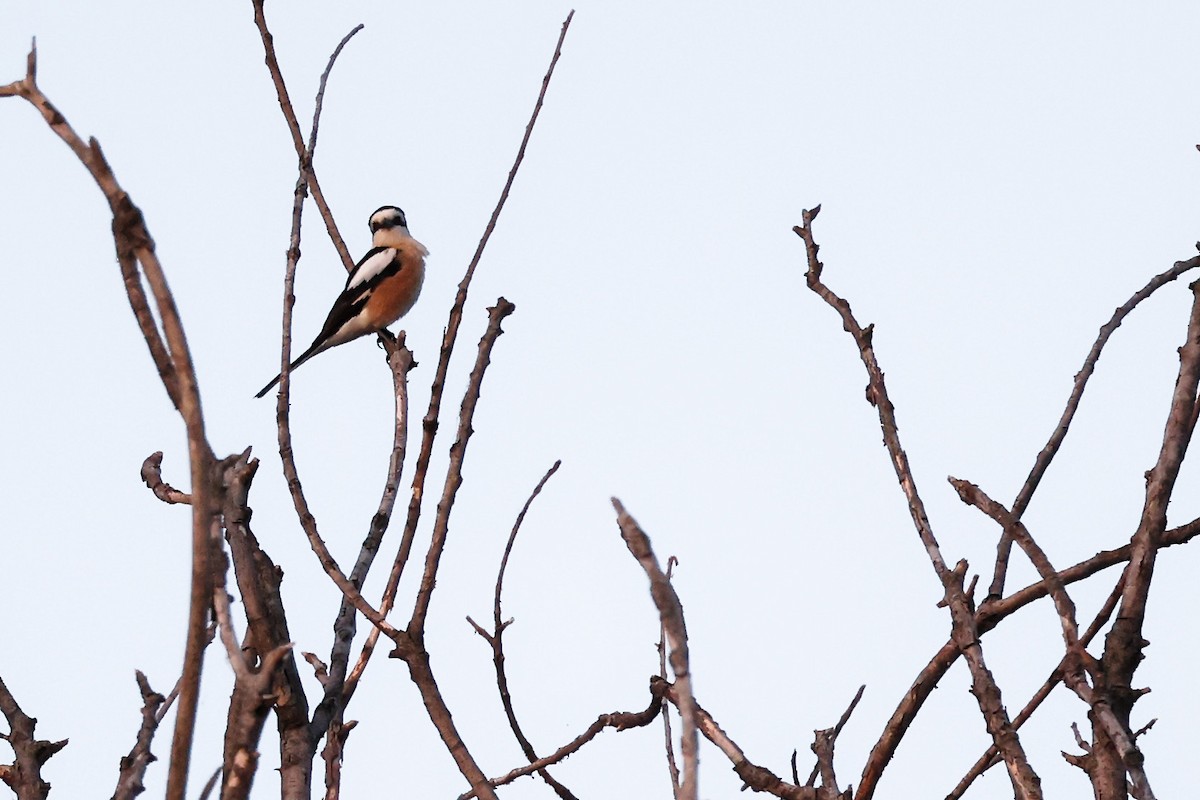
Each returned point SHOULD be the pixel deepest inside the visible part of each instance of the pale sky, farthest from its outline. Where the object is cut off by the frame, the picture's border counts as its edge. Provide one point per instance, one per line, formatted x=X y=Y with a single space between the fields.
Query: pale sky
x=995 y=179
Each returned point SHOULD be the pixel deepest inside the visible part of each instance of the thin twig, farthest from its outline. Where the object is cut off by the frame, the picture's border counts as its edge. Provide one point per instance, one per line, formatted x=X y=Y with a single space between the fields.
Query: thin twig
x=152 y=477
x=430 y=421
x=617 y=720
x=308 y=522
x=496 y=640
x=832 y=739
x=411 y=648
x=1050 y=450
x=305 y=154
x=458 y=451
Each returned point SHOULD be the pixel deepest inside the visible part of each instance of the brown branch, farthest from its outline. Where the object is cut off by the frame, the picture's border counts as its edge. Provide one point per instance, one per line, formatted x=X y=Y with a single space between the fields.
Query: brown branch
x=173 y=360
x=670 y=612
x=965 y=630
x=668 y=738
x=416 y=657
x=617 y=720
x=133 y=766
x=991 y=756
x=24 y=775
x=1050 y=450
x=760 y=779
x=988 y=616
x=496 y=640
x=308 y=522
x=826 y=742
x=429 y=423
x=328 y=717
x=1013 y=528
x=273 y=679
x=411 y=645
x=458 y=452
x=1124 y=645
x=152 y=477
x=305 y=154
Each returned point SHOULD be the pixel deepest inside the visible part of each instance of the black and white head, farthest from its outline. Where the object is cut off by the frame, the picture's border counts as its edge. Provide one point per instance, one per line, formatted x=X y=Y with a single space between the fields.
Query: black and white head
x=386 y=218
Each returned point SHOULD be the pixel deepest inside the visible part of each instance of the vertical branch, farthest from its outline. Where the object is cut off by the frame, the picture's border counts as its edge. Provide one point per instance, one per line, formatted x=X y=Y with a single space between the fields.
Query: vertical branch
x=670 y=612
x=135 y=247
x=1124 y=645
x=669 y=739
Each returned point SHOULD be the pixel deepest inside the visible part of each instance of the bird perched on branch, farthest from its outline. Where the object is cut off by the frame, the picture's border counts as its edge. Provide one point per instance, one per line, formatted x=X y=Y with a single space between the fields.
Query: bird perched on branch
x=382 y=288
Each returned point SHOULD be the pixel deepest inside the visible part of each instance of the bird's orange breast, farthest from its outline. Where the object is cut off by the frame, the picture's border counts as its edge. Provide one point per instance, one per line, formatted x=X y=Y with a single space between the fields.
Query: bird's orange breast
x=396 y=294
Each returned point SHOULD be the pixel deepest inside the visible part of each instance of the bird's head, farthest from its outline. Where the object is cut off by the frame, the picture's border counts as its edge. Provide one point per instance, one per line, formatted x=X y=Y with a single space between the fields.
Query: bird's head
x=387 y=218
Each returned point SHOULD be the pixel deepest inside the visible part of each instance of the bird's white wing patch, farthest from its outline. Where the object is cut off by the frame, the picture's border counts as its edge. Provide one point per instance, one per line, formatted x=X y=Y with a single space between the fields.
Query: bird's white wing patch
x=372 y=264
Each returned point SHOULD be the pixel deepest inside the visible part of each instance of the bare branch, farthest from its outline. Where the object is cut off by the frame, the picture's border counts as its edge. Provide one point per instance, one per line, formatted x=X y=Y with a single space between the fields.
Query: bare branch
x=670 y=612
x=152 y=477
x=669 y=739
x=760 y=779
x=496 y=640
x=989 y=616
x=1050 y=450
x=971 y=494
x=173 y=359
x=618 y=720
x=411 y=645
x=1123 y=648
x=24 y=776
x=965 y=630
x=826 y=740
x=305 y=154
x=338 y=690
x=430 y=421
x=991 y=757
x=133 y=766
x=458 y=452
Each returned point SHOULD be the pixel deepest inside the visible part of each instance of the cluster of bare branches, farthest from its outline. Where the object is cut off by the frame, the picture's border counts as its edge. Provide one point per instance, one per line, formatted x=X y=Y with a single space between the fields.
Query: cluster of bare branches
x=267 y=675
x=1112 y=760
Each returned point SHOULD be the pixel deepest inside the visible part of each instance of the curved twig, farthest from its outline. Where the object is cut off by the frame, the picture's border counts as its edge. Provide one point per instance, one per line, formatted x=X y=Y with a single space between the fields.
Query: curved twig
x=1050 y=450
x=618 y=720
x=496 y=640
x=152 y=477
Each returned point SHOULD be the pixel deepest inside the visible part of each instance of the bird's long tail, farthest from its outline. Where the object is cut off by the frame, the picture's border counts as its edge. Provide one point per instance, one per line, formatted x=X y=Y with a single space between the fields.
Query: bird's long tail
x=317 y=347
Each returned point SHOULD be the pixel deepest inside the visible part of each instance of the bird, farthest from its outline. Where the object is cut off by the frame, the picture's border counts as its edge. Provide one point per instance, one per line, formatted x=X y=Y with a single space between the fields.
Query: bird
x=381 y=289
